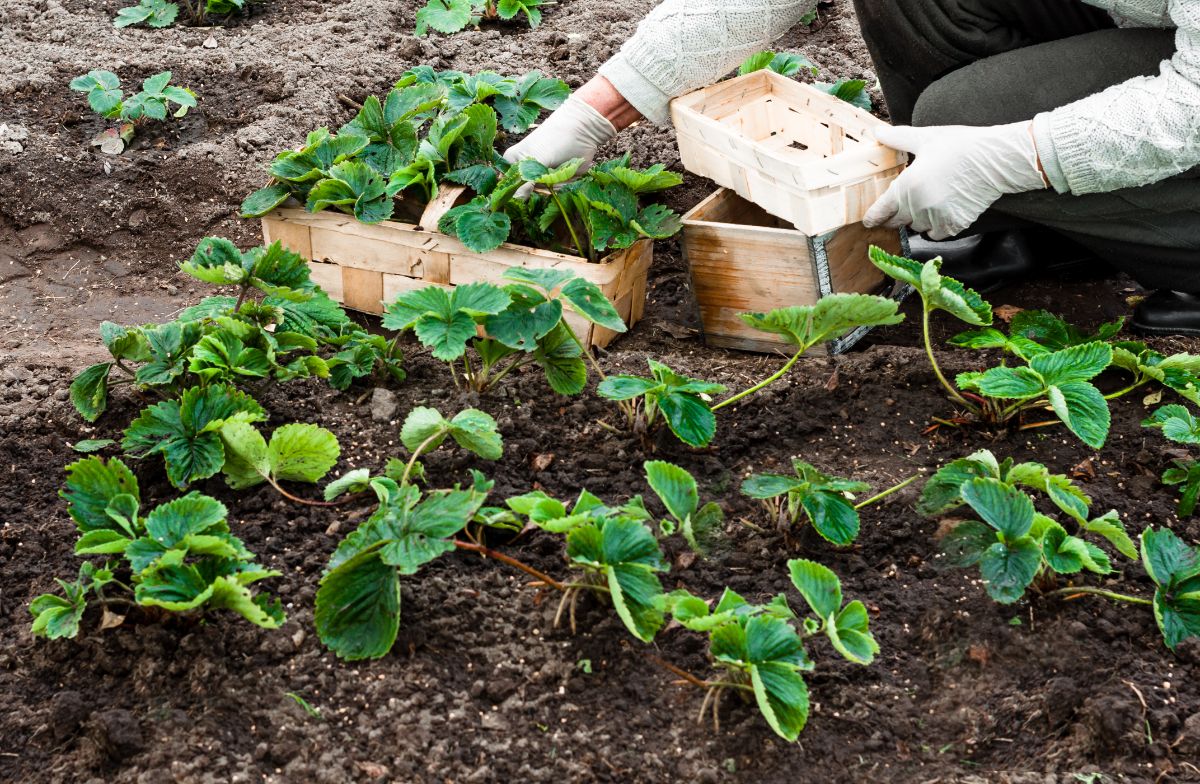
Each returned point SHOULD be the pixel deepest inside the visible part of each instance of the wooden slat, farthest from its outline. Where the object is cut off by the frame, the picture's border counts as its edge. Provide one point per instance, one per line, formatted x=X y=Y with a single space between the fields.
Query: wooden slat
x=328 y=277
x=295 y=237
x=722 y=136
x=362 y=266
x=394 y=285
x=362 y=289
x=743 y=267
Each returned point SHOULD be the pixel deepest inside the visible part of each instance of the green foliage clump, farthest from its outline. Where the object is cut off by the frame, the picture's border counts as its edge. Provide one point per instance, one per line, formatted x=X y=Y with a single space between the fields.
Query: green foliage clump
x=271 y=329
x=162 y=13
x=153 y=102
x=1178 y=424
x=451 y=16
x=431 y=127
x=180 y=557
x=493 y=330
x=823 y=500
x=852 y=91
x=1011 y=542
x=600 y=210
x=760 y=649
x=685 y=404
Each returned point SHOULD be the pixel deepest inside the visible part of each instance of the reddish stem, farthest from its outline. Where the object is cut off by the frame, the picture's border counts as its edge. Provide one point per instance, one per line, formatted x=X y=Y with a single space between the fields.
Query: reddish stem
x=488 y=552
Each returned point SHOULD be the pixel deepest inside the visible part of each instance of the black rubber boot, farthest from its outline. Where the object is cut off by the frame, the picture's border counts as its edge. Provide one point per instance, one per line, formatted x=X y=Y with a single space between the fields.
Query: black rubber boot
x=1167 y=312
x=987 y=262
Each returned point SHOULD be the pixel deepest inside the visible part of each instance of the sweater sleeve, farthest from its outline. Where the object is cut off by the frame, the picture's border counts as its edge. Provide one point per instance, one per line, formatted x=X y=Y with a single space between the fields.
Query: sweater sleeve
x=685 y=44
x=1137 y=132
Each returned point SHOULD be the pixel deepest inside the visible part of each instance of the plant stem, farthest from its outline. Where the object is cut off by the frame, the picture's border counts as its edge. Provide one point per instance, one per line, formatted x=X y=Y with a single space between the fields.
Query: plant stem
x=1019 y=406
x=305 y=501
x=586 y=352
x=570 y=225
x=763 y=384
x=520 y=361
x=897 y=488
x=937 y=370
x=412 y=461
x=1117 y=597
x=488 y=552
x=241 y=298
x=671 y=668
x=1126 y=390
x=1035 y=425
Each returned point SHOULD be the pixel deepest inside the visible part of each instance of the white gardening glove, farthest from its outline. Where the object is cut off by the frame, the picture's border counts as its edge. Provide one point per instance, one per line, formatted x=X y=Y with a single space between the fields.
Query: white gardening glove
x=573 y=130
x=960 y=171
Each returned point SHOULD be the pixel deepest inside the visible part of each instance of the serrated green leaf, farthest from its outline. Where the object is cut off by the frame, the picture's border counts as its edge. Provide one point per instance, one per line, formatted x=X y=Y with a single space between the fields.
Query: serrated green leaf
x=819 y=586
x=358 y=607
x=1009 y=568
x=1001 y=506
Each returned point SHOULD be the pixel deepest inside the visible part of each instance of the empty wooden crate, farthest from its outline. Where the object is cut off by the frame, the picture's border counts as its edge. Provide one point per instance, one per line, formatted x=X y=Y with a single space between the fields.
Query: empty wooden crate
x=363 y=266
x=744 y=260
x=799 y=153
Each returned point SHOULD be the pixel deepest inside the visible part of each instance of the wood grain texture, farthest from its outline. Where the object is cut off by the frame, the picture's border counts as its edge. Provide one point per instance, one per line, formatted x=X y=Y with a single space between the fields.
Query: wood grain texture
x=363 y=265
x=745 y=260
x=802 y=154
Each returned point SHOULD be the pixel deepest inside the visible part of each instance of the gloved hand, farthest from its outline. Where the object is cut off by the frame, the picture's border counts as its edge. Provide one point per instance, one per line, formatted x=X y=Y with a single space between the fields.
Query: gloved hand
x=959 y=172
x=573 y=130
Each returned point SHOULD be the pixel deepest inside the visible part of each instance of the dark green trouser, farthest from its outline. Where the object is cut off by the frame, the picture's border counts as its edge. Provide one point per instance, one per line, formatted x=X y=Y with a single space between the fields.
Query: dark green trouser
x=988 y=62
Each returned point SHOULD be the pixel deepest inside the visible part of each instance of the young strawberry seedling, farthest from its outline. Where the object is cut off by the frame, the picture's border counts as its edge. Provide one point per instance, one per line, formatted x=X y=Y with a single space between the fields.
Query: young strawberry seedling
x=685 y=403
x=239 y=339
x=1179 y=425
x=105 y=96
x=1015 y=545
x=180 y=557
x=432 y=127
x=161 y=13
x=1174 y=568
x=451 y=16
x=1058 y=380
x=783 y=63
x=825 y=501
x=699 y=525
x=599 y=211
x=760 y=650
x=506 y=327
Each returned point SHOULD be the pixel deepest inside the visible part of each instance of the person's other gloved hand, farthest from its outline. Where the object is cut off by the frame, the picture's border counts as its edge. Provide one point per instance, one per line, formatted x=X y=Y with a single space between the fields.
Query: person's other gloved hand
x=959 y=172
x=573 y=130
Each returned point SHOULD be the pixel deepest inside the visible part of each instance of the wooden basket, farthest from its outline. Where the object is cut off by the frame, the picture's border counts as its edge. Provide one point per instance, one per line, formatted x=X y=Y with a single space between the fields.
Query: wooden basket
x=744 y=260
x=364 y=266
x=799 y=153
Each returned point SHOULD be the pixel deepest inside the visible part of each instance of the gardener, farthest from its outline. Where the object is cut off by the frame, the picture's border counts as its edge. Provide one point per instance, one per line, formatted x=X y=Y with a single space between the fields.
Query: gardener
x=1043 y=130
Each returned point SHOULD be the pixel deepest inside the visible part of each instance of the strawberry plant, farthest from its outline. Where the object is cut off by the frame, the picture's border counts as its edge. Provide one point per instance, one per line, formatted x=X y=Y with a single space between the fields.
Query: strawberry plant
x=432 y=127
x=599 y=211
x=1178 y=424
x=825 y=501
x=179 y=557
x=760 y=649
x=187 y=431
x=613 y=551
x=685 y=403
x=451 y=16
x=676 y=488
x=1058 y=380
x=272 y=328
x=161 y=13
x=1033 y=333
x=153 y=102
x=1174 y=568
x=507 y=327
x=1013 y=544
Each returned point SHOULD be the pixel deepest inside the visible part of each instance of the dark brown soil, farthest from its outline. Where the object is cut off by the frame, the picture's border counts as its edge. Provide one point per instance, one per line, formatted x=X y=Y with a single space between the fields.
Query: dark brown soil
x=480 y=687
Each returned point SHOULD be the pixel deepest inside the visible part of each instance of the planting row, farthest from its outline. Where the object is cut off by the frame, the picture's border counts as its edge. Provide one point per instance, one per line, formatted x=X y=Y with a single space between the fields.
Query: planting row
x=181 y=557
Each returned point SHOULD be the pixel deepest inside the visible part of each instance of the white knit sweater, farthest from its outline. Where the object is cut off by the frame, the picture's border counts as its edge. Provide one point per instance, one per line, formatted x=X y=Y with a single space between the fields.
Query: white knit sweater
x=1132 y=134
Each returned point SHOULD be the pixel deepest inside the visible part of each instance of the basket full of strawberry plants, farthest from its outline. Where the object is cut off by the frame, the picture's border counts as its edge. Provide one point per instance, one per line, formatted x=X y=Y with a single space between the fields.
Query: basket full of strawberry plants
x=412 y=192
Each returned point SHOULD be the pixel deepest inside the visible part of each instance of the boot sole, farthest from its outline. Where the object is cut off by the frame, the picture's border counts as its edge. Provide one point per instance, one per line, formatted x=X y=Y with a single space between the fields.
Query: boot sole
x=1193 y=332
